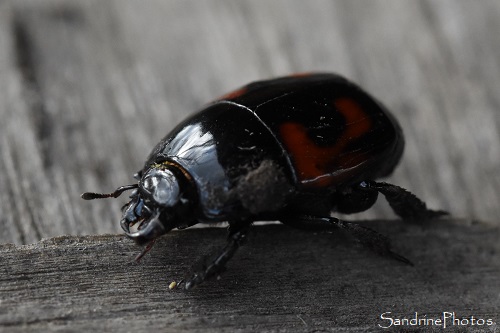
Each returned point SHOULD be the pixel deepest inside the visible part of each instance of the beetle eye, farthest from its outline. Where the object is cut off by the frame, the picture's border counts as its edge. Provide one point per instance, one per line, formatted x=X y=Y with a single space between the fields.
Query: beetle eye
x=162 y=186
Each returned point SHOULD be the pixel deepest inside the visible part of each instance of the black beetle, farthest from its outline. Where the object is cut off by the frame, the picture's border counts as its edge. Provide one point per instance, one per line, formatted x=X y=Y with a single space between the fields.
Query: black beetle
x=291 y=149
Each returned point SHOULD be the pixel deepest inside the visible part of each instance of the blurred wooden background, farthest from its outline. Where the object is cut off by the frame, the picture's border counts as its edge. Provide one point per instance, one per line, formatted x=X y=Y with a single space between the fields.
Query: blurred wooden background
x=87 y=88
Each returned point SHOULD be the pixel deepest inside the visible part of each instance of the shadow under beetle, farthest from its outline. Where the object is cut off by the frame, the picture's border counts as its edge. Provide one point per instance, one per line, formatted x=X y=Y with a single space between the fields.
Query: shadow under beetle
x=291 y=149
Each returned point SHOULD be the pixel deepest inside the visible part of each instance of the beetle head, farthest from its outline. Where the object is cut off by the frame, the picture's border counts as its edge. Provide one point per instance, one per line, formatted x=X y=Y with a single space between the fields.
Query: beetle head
x=157 y=203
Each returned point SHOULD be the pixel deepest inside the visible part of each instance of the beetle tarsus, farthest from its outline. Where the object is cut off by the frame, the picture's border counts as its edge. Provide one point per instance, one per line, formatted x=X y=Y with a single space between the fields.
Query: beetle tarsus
x=404 y=203
x=400 y=258
x=367 y=237
x=237 y=237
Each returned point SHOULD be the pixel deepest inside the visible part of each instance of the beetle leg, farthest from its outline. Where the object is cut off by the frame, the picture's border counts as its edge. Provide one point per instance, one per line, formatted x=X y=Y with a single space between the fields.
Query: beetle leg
x=355 y=199
x=367 y=237
x=146 y=249
x=404 y=203
x=237 y=237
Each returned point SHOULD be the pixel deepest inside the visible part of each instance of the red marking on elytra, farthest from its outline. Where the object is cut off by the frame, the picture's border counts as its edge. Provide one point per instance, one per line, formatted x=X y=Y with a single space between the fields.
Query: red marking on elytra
x=234 y=94
x=300 y=74
x=316 y=165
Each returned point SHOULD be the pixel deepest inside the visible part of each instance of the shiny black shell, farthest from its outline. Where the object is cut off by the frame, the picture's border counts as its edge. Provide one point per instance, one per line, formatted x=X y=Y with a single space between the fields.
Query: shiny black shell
x=279 y=139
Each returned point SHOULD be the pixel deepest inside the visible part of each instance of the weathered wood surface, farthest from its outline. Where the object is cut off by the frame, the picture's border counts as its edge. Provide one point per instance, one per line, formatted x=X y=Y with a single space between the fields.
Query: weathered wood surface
x=282 y=280
x=88 y=87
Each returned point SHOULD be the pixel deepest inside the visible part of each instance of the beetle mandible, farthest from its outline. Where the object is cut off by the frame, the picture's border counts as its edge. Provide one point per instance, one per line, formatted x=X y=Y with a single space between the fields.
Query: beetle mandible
x=291 y=149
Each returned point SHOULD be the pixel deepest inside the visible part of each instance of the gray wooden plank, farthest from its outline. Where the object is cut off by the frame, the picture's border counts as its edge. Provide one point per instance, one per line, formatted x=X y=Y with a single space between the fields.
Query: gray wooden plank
x=281 y=280
x=21 y=181
x=109 y=79
x=68 y=86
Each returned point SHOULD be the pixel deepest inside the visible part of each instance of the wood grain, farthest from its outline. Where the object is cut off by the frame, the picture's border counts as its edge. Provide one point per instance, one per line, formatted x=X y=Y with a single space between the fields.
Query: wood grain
x=282 y=280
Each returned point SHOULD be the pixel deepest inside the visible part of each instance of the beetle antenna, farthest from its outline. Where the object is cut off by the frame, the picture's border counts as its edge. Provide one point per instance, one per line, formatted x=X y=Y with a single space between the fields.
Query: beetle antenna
x=115 y=194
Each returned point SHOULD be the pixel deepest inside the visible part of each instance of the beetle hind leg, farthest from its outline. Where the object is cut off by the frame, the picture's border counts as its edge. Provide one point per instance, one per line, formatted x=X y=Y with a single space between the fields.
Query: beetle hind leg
x=367 y=237
x=216 y=265
x=404 y=203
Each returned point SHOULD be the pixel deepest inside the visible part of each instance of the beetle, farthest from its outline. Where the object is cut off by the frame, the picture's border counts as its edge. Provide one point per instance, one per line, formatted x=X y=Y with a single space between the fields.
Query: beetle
x=291 y=149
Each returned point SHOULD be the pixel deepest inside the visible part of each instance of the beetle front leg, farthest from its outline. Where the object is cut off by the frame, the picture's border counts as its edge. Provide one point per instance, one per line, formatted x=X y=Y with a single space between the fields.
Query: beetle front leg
x=369 y=238
x=237 y=237
x=404 y=203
